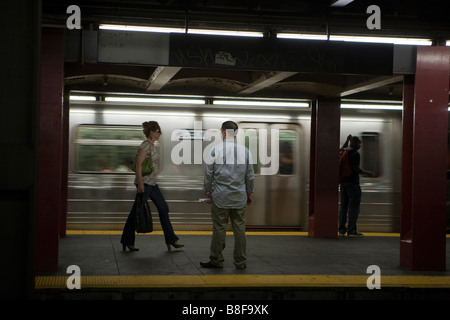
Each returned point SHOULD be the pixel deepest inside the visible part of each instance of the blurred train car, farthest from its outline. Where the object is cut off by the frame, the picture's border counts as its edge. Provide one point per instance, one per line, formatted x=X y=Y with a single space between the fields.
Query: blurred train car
x=105 y=136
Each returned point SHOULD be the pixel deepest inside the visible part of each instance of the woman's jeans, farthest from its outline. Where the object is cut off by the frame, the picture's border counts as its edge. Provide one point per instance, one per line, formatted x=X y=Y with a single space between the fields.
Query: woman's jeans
x=154 y=193
x=350 y=201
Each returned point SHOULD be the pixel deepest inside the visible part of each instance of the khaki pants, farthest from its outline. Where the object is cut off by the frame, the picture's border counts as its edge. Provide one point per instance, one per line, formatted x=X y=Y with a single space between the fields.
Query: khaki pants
x=220 y=221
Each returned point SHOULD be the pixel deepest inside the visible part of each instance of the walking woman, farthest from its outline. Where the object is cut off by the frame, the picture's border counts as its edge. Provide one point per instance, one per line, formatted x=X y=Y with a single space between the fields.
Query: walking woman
x=148 y=185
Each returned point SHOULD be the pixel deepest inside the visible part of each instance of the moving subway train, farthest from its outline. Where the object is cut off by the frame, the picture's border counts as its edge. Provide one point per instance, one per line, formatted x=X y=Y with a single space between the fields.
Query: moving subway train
x=105 y=136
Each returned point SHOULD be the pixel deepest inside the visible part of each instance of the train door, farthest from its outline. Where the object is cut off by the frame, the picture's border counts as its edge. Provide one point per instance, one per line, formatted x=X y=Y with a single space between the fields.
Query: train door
x=277 y=197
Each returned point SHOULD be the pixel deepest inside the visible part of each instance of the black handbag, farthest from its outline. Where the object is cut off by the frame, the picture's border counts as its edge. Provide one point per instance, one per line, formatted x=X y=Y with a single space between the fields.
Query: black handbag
x=144 y=223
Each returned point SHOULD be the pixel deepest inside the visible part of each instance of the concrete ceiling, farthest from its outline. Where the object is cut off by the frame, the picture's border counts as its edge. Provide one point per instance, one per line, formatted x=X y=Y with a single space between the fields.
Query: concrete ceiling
x=398 y=18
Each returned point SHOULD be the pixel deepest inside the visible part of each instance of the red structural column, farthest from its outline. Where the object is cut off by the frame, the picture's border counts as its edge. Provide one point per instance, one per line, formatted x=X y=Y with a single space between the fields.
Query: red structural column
x=407 y=167
x=64 y=164
x=50 y=150
x=324 y=169
x=425 y=127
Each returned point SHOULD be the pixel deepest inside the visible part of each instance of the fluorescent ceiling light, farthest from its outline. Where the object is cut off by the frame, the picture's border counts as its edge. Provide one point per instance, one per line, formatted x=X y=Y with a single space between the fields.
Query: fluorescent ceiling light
x=226 y=33
x=154 y=100
x=75 y=110
x=131 y=112
x=82 y=98
x=135 y=113
x=261 y=103
x=180 y=30
x=302 y=36
x=140 y=28
x=409 y=41
x=250 y=116
x=372 y=106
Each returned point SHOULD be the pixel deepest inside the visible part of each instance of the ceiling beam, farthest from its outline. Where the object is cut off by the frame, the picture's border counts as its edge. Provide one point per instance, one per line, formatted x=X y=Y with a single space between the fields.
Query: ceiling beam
x=160 y=77
x=340 y=3
x=369 y=85
x=266 y=80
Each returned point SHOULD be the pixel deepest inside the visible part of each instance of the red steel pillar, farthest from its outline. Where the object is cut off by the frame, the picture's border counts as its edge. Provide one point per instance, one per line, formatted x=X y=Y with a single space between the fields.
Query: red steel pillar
x=425 y=127
x=407 y=168
x=50 y=150
x=324 y=168
x=64 y=165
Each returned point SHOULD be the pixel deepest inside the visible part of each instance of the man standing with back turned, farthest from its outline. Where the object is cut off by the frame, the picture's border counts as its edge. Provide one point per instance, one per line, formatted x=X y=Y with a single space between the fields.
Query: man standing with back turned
x=350 y=189
x=229 y=183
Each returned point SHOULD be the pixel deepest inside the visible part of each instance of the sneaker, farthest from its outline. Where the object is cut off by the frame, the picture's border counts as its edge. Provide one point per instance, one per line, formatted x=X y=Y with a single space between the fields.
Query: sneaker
x=341 y=234
x=241 y=267
x=355 y=234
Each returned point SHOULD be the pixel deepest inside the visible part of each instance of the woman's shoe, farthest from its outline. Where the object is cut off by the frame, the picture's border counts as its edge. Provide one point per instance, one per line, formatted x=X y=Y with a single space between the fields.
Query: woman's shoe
x=131 y=248
x=175 y=245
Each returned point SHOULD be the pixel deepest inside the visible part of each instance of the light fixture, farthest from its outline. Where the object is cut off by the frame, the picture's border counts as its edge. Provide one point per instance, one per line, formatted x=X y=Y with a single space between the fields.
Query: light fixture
x=180 y=30
x=372 y=106
x=82 y=98
x=261 y=103
x=392 y=40
x=226 y=33
x=249 y=116
x=118 y=27
x=131 y=112
x=302 y=36
x=154 y=100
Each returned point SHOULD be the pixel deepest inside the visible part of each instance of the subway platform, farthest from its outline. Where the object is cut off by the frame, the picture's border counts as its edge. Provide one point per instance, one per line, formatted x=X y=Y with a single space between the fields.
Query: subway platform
x=280 y=266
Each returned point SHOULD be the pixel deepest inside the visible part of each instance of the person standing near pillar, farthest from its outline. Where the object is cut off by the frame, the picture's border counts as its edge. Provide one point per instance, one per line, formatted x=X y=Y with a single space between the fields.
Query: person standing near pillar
x=229 y=183
x=350 y=189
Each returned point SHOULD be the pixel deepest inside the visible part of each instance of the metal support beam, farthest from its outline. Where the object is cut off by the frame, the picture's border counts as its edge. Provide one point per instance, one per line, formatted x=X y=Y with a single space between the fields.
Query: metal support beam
x=324 y=169
x=64 y=163
x=308 y=56
x=369 y=85
x=50 y=150
x=266 y=80
x=160 y=77
x=425 y=129
x=19 y=144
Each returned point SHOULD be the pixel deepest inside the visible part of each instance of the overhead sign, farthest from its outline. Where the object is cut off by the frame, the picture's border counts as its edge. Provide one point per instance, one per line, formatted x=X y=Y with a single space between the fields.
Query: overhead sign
x=143 y=48
x=336 y=57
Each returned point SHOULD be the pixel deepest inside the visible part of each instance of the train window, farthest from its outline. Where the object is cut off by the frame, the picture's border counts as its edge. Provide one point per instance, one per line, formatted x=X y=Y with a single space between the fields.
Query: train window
x=110 y=133
x=287 y=142
x=370 y=152
x=106 y=148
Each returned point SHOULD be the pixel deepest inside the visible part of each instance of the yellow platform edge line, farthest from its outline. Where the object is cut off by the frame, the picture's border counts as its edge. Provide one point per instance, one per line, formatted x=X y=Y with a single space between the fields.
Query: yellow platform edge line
x=245 y=281
x=248 y=233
